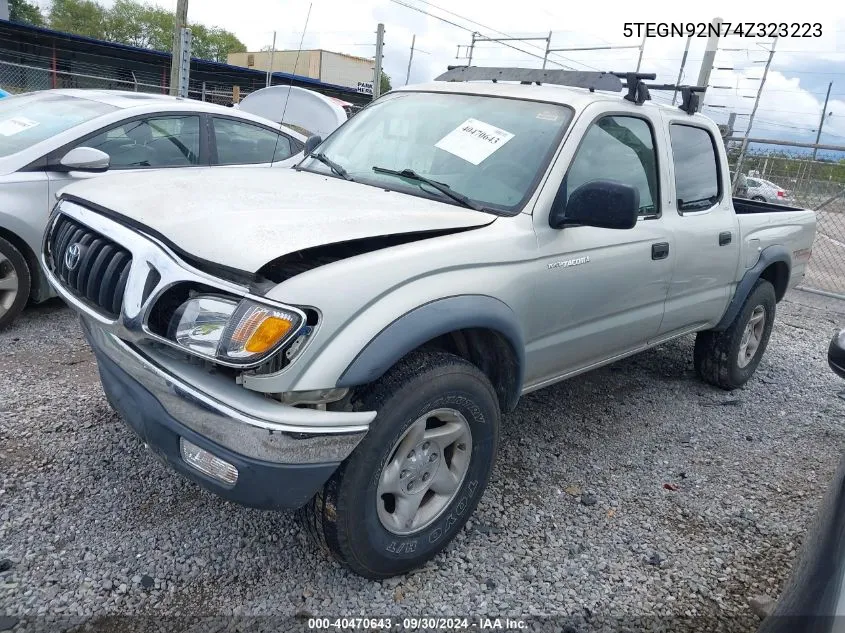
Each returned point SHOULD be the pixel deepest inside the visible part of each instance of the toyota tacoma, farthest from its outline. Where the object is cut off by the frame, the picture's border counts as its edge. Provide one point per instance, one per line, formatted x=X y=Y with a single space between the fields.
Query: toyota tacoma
x=344 y=336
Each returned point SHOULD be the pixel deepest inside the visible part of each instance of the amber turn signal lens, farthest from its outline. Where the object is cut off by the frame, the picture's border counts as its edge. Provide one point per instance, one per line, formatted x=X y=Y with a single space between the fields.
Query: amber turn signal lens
x=267 y=334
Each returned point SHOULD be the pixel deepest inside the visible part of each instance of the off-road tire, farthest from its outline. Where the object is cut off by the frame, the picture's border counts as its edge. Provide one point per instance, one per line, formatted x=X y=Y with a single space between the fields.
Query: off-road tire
x=343 y=517
x=716 y=353
x=11 y=256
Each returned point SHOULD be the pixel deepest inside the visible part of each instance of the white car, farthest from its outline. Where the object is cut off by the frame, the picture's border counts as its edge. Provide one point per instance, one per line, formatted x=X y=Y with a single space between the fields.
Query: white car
x=53 y=137
x=765 y=190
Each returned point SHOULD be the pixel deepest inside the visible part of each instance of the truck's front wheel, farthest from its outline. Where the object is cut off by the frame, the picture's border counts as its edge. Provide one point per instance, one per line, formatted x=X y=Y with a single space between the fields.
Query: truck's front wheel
x=417 y=476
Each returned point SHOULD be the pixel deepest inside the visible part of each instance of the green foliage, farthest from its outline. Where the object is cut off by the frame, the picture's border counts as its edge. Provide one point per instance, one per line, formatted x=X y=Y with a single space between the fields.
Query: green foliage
x=385 y=83
x=789 y=166
x=25 y=13
x=138 y=24
x=83 y=17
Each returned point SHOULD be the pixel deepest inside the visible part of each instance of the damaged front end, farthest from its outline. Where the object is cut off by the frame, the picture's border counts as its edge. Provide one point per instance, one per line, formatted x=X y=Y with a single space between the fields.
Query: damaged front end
x=172 y=343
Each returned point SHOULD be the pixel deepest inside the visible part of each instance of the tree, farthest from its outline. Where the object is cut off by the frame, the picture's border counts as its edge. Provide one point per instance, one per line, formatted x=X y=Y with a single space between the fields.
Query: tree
x=214 y=43
x=140 y=25
x=385 y=83
x=83 y=17
x=137 y=24
x=24 y=12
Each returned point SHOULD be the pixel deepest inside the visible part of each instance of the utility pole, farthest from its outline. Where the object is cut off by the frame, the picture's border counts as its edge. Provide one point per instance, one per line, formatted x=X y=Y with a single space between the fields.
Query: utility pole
x=548 y=46
x=642 y=48
x=821 y=122
x=731 y=122
x=179 y=23
x=410 y=58
x=377 y=69
x=270 y=67
x=681 y=69
x=471 y=48
x=184 y=75
x=709 y=55
x=753 y=112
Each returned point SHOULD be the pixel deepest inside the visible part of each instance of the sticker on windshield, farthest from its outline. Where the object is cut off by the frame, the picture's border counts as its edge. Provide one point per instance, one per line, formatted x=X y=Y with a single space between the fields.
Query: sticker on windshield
x=545 y=115
x=16 y=125
x=473 y=140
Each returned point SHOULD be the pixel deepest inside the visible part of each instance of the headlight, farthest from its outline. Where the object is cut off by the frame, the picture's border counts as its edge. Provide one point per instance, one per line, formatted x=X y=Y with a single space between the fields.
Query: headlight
x=240 y=333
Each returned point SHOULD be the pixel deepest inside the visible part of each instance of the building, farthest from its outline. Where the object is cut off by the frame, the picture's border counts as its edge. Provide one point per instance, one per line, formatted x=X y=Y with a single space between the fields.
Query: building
x=325 y=66
x=34 y=58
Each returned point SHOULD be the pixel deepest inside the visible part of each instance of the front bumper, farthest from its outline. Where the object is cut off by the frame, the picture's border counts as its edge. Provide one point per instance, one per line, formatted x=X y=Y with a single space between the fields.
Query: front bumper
x=281 y=463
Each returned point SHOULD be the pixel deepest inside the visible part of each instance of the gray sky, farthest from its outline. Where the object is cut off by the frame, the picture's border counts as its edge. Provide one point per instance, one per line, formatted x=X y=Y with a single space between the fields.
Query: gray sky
x=792 y=99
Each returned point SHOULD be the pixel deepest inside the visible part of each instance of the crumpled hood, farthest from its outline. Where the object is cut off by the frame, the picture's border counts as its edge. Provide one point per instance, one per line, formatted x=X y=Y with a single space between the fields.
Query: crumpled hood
x=245 y=217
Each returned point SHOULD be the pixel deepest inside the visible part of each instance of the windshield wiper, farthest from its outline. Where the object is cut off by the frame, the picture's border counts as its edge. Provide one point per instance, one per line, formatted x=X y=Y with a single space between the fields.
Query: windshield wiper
x=442 y=187
x=339 y=170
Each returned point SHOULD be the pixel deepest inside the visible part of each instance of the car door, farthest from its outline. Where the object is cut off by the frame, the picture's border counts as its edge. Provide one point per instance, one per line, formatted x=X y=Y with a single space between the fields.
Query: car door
x=600 y=292
x=159 y=141
x=240 y=142
x=705 y=228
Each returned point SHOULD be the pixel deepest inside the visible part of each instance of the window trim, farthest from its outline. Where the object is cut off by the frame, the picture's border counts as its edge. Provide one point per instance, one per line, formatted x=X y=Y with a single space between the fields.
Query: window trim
x=721 y=190
x=295 y=145
x=43 y=163
x=657 y=165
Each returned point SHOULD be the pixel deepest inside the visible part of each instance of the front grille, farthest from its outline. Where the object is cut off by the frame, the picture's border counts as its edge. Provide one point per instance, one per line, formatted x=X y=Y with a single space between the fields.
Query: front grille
x=95 y=271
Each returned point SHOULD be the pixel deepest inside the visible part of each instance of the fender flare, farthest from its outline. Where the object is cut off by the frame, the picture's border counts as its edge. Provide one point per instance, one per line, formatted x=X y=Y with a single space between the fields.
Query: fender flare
x=429 y=321
x=768 y=256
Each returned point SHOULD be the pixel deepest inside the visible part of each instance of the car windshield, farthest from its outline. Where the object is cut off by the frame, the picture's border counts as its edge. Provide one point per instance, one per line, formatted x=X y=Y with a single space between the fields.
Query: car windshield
x=34 y=117
x=491 y=150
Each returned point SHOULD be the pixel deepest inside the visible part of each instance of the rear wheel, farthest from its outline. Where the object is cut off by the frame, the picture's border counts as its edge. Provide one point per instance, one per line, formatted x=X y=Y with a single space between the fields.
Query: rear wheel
x=728 y=359
x=759 y=198
x=14 y=282
x=419 y=473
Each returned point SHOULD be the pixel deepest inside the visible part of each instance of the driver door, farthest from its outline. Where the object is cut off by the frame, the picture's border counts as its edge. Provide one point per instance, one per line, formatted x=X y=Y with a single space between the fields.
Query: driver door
x=601 y=292
x=150 y=142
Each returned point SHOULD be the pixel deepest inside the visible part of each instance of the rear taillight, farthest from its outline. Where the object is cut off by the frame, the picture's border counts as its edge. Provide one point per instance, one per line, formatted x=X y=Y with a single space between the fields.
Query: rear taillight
x=780 y=194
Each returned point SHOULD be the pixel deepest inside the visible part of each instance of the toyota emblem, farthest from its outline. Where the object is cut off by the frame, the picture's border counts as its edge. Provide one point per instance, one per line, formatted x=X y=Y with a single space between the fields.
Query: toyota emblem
x=72 y=256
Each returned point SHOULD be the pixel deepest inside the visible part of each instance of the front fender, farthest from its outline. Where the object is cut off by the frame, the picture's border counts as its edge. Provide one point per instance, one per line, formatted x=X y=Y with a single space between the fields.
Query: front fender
x=428 y=322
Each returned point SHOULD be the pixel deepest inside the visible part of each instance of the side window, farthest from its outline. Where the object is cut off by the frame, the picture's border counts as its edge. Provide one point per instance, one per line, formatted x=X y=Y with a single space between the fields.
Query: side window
x=240 y=143
x=752 y=183
x=619 y=148
x=696 y=168
x=154 y=142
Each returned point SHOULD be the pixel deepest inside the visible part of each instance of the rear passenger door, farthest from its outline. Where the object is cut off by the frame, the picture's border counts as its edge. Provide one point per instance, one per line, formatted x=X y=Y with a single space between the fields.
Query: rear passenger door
x=238 y=142
x=705 y=229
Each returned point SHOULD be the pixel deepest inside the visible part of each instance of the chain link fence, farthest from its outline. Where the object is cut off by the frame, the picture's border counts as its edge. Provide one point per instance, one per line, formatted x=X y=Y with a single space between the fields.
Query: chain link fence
x=789 y=175
x=30 y=73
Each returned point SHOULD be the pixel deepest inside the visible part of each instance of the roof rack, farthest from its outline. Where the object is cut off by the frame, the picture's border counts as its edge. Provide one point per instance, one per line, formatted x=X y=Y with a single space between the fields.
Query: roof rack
x=638 y=90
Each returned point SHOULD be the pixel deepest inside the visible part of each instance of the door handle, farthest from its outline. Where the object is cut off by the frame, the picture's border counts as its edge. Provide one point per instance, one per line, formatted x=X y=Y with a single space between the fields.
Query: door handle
x=660 y=250
x=725 y=238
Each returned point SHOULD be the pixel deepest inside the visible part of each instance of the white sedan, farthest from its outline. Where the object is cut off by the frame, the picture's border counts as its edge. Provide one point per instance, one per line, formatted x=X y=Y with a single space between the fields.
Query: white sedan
x=52 y=137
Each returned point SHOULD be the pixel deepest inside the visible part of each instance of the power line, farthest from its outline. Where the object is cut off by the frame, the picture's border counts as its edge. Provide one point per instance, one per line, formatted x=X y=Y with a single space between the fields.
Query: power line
x=468 y=30
x=502 y=33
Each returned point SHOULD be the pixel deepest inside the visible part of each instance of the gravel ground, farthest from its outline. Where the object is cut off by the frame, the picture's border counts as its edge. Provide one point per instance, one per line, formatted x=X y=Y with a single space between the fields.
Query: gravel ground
x=578 y=520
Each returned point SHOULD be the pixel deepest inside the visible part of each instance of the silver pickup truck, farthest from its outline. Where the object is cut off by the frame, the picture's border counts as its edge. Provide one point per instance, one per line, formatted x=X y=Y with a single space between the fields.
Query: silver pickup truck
x=344 y=337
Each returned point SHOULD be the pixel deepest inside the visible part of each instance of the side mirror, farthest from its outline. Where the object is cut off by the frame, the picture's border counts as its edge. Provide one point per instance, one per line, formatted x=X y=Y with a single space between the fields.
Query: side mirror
x=84 y=159
x=604 y=204
x=311 y=143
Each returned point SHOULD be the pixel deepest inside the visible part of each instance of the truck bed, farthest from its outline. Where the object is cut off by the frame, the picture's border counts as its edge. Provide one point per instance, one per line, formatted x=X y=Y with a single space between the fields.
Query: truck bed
x=743 y=206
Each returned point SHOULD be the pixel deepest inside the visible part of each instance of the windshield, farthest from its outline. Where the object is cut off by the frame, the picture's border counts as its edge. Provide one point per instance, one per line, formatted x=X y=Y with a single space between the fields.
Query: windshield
x=489 y=149
x=34 y=117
